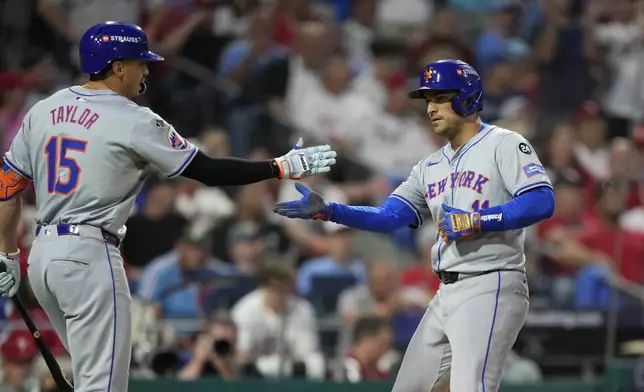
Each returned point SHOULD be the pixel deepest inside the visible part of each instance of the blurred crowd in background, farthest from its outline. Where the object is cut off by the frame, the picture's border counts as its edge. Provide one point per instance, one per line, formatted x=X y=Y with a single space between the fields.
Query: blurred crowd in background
x=223 y=287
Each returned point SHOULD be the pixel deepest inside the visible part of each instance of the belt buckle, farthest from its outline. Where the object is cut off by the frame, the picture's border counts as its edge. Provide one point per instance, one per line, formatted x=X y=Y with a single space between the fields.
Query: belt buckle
x=448 y=277
x=110 y=238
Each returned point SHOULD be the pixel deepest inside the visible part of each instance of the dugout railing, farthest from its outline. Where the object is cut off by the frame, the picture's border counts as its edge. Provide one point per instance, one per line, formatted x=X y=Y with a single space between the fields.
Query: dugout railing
x=622 y=376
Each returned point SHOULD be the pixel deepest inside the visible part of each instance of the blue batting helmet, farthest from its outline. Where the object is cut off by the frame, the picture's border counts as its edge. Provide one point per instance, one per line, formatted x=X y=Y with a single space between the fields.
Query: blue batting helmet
x=453 y=75
x=110 y=41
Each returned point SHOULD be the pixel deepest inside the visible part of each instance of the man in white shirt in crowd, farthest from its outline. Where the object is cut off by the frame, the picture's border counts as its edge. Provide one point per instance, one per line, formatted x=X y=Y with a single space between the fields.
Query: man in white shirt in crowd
x=329 y=111
x=276 y=328
x=621 y=38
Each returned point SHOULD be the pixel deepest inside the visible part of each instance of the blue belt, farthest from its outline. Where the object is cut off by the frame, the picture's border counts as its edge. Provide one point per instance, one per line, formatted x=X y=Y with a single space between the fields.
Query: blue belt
x=73 y=230
x=453 y=277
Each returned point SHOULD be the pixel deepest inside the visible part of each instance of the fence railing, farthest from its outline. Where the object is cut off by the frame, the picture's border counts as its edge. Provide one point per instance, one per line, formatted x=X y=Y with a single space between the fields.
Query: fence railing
x=618 y=378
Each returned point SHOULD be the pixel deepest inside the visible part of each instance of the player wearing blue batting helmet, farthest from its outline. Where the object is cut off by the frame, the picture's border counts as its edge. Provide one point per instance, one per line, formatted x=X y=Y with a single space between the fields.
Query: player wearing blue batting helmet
x=106 y=44
x=454 y=94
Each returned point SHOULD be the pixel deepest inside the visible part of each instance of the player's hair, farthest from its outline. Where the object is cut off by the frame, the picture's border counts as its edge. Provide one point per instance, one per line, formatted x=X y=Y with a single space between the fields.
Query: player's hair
x=97 y=77
x=103 y=74
x=369 y=326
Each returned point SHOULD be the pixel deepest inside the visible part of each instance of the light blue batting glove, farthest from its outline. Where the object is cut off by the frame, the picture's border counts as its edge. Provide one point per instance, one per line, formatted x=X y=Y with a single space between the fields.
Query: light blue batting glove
x=302 y=162
x=10 y=275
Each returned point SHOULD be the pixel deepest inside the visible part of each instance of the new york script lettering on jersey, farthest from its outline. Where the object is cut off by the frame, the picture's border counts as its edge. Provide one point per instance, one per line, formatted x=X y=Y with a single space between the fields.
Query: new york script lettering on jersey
x=89 y=152
x=490 y=169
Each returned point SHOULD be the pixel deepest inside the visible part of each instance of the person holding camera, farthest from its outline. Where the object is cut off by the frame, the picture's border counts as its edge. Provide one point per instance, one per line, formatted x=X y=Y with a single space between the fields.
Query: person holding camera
x=215 y=353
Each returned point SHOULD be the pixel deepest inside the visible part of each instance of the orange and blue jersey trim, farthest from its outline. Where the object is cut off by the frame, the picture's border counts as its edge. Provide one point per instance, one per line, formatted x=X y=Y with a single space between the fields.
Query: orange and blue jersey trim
x=11 y=182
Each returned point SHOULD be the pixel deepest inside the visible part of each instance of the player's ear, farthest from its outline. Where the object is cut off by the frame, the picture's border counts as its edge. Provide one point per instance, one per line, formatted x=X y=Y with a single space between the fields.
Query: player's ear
x=118 y=69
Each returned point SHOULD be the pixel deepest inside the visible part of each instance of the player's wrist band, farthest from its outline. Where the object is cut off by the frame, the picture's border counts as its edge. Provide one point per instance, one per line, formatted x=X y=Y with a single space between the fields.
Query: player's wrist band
x=10 y=254
x=275 y=168
x=475 y=218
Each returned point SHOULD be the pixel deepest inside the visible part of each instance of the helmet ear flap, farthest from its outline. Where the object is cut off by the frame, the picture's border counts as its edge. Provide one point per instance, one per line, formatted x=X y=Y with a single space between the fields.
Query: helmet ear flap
x=468 y=101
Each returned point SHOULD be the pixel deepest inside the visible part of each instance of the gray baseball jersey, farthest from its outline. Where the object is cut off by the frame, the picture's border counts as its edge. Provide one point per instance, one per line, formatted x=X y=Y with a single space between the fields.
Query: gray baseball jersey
x=88 y=152
x=488 y=170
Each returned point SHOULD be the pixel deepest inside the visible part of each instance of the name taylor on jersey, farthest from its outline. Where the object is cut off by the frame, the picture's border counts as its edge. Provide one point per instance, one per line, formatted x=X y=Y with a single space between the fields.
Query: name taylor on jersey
x=70 y=114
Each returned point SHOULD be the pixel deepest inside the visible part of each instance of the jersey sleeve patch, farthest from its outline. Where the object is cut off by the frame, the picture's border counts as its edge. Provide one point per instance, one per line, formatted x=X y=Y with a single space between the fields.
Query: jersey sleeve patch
x=157 y=122
x=533 y=169
x=524 y=148
x=176 y=141
x=11 y=183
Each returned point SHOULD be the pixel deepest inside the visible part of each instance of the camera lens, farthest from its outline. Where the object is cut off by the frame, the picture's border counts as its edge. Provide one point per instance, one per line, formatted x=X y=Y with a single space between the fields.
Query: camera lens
x=222 y=347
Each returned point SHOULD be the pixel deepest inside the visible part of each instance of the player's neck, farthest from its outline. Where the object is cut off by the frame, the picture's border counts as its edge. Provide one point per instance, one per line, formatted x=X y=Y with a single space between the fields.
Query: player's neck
x=102 y=85
x=468 y=130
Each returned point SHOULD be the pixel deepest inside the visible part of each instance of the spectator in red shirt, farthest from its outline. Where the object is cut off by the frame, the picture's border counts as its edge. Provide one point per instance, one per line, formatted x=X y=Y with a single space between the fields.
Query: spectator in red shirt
x=622 y=250
x=373 y=338
x=39 y=318
x=623 y=167
x=568 y=221
x=563 y=255
x=19 y=352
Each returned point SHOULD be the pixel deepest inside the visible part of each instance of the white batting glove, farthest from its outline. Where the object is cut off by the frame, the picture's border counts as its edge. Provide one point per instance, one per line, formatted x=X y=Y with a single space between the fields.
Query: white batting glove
x=303 y=162
x=10 y=275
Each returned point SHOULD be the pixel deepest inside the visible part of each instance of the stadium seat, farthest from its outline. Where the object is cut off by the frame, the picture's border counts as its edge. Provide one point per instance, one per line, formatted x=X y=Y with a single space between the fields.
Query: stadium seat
x=227 y=292
x=404 y=325
x=325 y=291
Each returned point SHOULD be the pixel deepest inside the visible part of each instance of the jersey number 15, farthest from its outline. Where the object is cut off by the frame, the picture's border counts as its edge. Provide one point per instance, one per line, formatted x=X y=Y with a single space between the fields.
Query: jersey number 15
x=56 y=151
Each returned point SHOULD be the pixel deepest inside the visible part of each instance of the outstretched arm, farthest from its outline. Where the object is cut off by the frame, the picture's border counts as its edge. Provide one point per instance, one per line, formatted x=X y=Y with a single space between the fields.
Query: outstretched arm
x=299 y=162
x=156 y=142
x=392 y=215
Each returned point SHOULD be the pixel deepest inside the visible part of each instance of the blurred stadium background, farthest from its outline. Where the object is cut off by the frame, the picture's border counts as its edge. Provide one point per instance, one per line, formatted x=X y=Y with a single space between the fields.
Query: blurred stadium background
x=225 y=290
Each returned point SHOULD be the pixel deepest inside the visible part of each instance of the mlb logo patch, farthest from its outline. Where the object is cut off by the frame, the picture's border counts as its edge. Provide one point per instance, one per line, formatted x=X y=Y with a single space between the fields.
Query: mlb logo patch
x=533 y=169
x=176 y=141
x=81 y=99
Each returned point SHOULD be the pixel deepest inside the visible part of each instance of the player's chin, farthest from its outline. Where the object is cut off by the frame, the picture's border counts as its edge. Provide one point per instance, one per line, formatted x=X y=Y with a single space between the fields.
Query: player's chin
x=440 y=127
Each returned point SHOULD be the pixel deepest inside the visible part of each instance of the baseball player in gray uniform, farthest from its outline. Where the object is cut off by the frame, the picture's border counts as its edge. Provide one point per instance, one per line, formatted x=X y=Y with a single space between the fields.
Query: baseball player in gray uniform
x=88 y=150
x=481 y=189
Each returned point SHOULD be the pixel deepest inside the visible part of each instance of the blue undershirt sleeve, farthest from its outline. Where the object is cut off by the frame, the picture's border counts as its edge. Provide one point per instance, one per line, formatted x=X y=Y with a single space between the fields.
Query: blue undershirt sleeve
x=524 y=210
x=394 y=214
